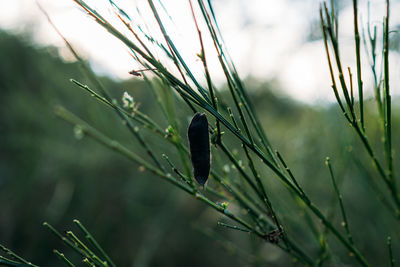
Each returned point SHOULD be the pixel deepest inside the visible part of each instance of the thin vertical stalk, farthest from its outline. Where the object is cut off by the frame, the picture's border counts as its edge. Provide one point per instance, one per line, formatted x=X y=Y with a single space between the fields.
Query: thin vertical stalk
x=358 y=59
x=22 y=262
x=287 y=169
x=334 y=87
x=65 y=240
x=93 y=241
x=351 y=86
x=234 y=74
x=207 y=73
x=339 y=196
x=176 y=53
x=371 y=52
x=387 y=104
x=88 y=252
x=240 y=169
x=266 y=199
x=230 y=81
x=391 y=258
x=335 y=15
x=291 y=247
x=62 y=257
x=335 y=46
x=175 y=169
x=261 y=187
x=263 y=195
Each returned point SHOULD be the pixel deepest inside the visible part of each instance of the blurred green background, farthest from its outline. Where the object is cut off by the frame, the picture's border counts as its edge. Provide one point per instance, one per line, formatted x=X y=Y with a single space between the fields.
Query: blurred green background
x=48 y=174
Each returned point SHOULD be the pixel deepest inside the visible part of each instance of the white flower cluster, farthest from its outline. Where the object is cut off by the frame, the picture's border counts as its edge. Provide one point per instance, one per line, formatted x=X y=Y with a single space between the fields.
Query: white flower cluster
x=127 y=101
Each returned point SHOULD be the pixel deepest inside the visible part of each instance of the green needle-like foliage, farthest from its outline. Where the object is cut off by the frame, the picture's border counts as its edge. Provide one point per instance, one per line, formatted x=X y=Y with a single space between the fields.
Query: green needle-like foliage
x=245 y=196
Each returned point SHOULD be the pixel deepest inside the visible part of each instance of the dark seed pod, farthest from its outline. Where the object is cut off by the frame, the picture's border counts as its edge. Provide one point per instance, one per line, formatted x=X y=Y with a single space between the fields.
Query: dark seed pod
x=199 y=142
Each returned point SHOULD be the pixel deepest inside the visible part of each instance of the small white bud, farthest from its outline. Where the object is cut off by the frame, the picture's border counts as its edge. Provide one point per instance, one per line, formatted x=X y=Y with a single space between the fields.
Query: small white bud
x=127 y=100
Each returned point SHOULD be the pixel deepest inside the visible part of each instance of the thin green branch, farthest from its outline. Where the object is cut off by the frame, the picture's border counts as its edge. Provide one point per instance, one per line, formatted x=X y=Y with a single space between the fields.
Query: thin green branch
x=261 y=189
x=386 y=177
x=387 y=105
x=183 y=177
x=207 y=73
x=339 y=196
x=391 y=258
x=99 y=85
x=88 y=252
x=234 y=227
x=176 y=53
x=336 y=53
x=116 y=146
x=65 y=240
x=371 y=52
x=358 y=60
x=90 y=131
x=132 y=128
x=266 y=199
x=230 y=67
x=7 y=262
x=351 y=86
x=334 y=87
x=88 y=262
x=62 y=257
x=94 y=243
x=291 y=247
x=20 y=261
x=282 y=161
x=379 y=168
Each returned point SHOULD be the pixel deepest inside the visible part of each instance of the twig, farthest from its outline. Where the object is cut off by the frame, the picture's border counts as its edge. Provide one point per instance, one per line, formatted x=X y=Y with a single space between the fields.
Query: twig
x=339 y=196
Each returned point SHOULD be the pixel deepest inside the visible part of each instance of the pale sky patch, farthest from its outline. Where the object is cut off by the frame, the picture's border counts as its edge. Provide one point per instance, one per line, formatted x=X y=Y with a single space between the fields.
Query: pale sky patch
x=267 y=39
